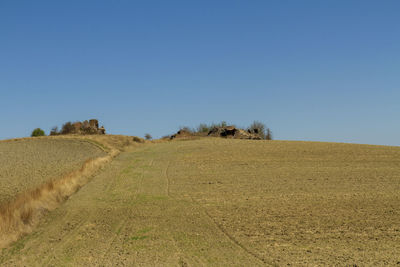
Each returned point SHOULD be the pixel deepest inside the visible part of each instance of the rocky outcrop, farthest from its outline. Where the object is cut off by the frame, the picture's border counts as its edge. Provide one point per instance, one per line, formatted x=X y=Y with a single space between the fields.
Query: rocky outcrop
x=181 y=133
x=92 y=127
x=224 y=131
x=85 y=127
x=233 y=132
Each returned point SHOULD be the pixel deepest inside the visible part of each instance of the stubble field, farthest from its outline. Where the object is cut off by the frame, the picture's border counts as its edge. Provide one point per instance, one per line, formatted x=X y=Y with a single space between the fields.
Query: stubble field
x=28 y=163
x=221 y=202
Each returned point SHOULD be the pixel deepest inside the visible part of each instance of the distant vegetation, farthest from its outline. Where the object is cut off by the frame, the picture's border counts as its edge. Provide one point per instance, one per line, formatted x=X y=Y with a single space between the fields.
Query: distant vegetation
x=203 y=128
x=85 y=127
x=257 y=128
x=261 y=129
x=138 y=139
x=67 y=128
x=37 y=132
x=54 y=131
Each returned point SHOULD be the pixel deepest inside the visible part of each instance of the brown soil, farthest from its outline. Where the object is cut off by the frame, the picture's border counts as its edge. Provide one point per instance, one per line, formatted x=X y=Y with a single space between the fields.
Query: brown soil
x=224 y=202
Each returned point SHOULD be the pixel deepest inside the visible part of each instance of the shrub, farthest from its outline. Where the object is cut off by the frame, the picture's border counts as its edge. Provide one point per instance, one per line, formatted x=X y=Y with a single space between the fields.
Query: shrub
x=258 y=128
x=137 y=139
x=148 y=136
x=186 y=129
x=67 y=128
x=54 y=131
x=37 y=132
x=203 y=128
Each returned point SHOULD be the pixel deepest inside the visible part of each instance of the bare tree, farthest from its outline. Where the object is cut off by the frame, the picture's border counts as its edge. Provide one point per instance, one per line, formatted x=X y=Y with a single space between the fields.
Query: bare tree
x=258 y=128
x=268 y=136
x=54 y=131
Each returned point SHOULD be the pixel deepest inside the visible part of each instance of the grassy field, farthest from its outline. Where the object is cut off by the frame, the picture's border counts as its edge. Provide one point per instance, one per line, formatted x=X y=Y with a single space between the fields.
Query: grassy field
x=27 y=163
x=222 y=202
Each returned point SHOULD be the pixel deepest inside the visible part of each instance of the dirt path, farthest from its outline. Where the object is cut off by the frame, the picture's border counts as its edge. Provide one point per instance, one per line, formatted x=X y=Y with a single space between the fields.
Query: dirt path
x=129 y=215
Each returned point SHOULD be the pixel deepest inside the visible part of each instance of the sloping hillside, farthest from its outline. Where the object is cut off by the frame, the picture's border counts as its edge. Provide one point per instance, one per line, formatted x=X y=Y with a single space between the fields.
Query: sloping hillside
x=228 y=202
x=40 y=174
x=29 y=162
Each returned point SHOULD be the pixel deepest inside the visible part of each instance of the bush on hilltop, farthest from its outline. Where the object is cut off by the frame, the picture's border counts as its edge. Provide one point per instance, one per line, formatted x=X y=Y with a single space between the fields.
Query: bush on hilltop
x=37 y=132
x=258 y=128
x=67 y=128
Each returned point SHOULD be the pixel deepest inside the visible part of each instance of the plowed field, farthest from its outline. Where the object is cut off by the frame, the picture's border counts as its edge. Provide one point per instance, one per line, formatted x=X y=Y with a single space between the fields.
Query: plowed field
x=25 y=164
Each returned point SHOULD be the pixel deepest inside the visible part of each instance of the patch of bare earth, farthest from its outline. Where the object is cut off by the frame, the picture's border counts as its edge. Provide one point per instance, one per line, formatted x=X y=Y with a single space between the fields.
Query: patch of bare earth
x=222 y=202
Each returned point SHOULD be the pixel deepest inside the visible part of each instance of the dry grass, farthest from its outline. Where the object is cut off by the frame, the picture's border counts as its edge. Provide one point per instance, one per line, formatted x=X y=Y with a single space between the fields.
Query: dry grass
x=19 y=215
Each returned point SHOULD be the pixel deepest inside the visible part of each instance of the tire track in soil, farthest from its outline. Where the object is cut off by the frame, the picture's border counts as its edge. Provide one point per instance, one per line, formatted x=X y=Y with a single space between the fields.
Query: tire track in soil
x=111 y=241
x=229 y=236
x=122 y=226
x=166 y=173
x=68 y=236
x=65 y=239
x=167 y=177
x=219 y=227
x=181 y=249
x=181 y=257
x=179 y=254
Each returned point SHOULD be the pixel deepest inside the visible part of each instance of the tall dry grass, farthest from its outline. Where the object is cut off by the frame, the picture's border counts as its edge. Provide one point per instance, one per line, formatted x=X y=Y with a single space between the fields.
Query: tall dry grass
x=19 y=216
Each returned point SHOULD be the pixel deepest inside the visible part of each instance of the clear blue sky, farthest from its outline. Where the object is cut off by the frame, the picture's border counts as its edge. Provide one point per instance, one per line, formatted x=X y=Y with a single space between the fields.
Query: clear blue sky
x=311 y=70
